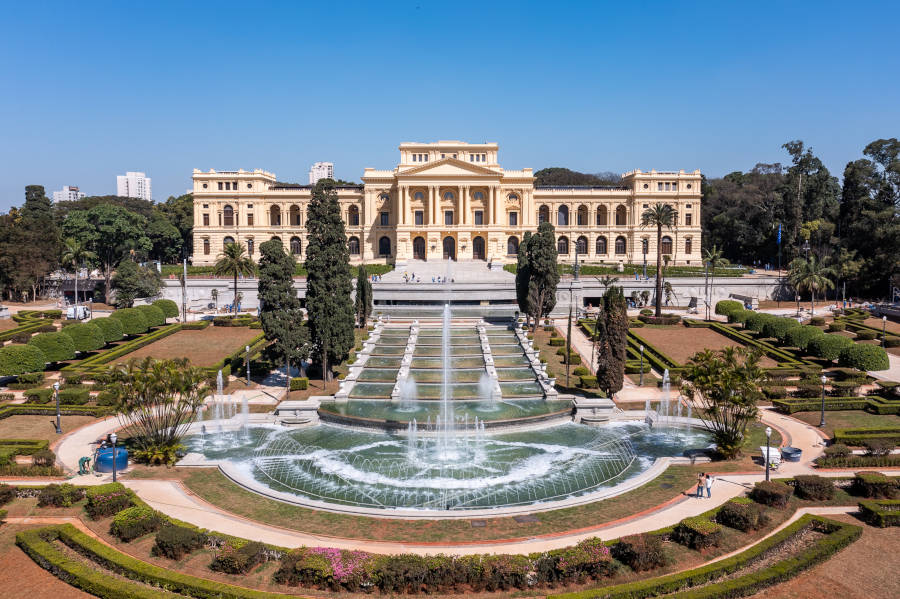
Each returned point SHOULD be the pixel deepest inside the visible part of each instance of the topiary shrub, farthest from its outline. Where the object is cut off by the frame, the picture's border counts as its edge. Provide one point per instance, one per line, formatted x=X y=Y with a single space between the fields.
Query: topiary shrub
x=817 y=321
x=240 y=560
x=110 y=327
x=740 y=317
x=757 y=320
x=132 y=321
x=7 y=493
x=155 y=316
x=741 y=513
x=57 y=347
x=864 y=357
x=174 y=541
x=726 y=307
x=74 y=397
x=779 y=327
x=588 y=381
x=85 y=336
x=838 y=450
x=837 y=326
x=38 y=395
x=557 y=341
x=47 y=328
x=640 y=552
x=697 y=533
x=299 y=383
x=19 y=359
x=106 y=500
x=828 y=346
x=63 y=495
x=580 y=371
x=20 y=337
x=43 y=458
x=646 y=312
x=662 y=319
x=874 y=485
x=772 y=493
x=801 y=336
x=813 y=488
x=134 y=522
x=169 y=308
x=574 y=358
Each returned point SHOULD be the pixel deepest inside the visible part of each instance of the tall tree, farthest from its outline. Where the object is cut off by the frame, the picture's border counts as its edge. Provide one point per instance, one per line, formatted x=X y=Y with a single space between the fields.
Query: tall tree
x=523 y=275
x=165 y=239
x=810 y=192
x=132 y=280
x=76 y=254
x=280 y=313
x=363 y=303
x=234 y=262
x=714 y=259
x=543 y=274
x=31 y=248
x=328 y=284
x=659 y=216
x=612 y=340
x=811 y=275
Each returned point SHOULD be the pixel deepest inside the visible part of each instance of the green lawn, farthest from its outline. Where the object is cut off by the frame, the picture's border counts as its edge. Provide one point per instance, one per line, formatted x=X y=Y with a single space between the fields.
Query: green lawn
x=847 y=419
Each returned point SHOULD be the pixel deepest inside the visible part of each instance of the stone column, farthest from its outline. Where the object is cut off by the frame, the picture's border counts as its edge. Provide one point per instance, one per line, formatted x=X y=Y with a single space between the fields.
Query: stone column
x=463 y=205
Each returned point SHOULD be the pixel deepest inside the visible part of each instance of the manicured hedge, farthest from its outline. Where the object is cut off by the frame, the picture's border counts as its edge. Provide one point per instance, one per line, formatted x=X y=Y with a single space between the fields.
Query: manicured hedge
x=858 y=436
x=741 y=513
x=801 y=336
x=154 y=316
x=814 y=488
x=828 y=346
x=86 y=336
x=779 y=327
x=726 y=307
x=875 y=485
x=697 y=533
x=110 y=327
x=883 y=512
x=74 y=397
x=299 y=383
x=789 y=406
x=771 y=493
x=57 y=347
x=19 y=359
x=864 y=357
x=132 y=320
x=174 y=541
x=135 y=522
x=168 y=307
x=662 y=319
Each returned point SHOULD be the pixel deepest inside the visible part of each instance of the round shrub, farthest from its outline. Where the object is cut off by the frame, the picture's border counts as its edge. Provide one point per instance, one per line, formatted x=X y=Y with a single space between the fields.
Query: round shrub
x=56 y=346
x=772 y=493
x=864 y=357
x=828 y=346
x=134 y=522
x=740 y=316
x=132 y=321
x=817 y=321
x=580 y=371
x=574 y=358
x=174 y=541
x=838 y=450
x=865 y=335
x=646 y=312
x=85 y=336
x=63 y=495
x=837 y=326
x=19 y=359
x=110 y=327
x=726 y=307
x=168 y=307
x=892 y=342
x=7 y=493
x=640 y=552
x=43 y=457
x=814 y=488
x=801 y=336
x=155 y=316
x=779 y=327
x=741 y=513
x=697 y=533
x=757 y=320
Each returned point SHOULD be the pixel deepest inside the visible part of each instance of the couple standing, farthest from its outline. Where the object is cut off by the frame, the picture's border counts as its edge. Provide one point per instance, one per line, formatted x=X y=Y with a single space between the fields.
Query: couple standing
x=704 y=480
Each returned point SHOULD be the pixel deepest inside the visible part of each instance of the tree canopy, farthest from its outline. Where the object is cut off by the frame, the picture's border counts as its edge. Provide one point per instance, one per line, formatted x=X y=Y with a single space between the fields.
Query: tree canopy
x=280 y=313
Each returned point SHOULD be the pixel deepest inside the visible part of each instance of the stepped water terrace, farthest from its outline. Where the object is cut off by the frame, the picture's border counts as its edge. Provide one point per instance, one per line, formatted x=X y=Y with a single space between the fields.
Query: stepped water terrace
x=441 y=417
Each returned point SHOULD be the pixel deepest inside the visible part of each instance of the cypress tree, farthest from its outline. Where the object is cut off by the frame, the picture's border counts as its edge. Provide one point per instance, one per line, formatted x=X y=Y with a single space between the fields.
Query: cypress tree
x=328 y=284
x=612 y=334
x=543 y=274
x=280 y=313
x=363 y=296
x=523 y=274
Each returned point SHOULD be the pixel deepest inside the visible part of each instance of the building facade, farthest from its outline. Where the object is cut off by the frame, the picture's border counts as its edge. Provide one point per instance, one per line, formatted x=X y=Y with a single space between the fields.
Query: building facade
x=69 y=193
x=452 y=199
x=321 y=170
x=134 y=185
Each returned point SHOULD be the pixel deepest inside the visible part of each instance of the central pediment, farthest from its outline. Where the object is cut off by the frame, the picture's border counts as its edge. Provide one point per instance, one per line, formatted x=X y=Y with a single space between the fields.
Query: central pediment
x=449 y=167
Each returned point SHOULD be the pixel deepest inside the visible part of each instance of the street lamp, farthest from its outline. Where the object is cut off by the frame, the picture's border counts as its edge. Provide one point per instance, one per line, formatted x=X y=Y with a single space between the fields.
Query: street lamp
x=822 y=421
x=883 y=328
x=113 y=437
x=247 y=348
x=768 y=440
x=642 y=366
x=644 y=248
x=56 y=393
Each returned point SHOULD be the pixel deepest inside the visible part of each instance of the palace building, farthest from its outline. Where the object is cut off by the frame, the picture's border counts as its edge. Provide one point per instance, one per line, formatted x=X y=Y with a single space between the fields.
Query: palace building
x=452 y=199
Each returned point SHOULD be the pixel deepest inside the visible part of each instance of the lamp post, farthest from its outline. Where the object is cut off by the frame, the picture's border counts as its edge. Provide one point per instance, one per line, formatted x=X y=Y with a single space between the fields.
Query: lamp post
x=768 y=440
x=883 y=329
x=644 y=248
x=56 y=393
x=642 y=366
x=113 y=438
x=822 y=420
x=247 y=348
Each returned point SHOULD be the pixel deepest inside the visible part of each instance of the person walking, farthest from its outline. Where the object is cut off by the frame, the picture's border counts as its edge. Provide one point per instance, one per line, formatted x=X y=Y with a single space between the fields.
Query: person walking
x=709 y=482
x=700 y=483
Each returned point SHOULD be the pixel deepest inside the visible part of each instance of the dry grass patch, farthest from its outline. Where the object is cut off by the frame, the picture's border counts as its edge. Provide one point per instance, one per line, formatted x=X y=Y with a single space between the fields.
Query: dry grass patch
x=40 y=427
x=680 y=343
x=203 y=348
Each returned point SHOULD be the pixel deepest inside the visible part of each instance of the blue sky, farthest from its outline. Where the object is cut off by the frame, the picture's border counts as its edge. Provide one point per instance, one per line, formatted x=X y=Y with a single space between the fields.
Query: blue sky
x=92 y=89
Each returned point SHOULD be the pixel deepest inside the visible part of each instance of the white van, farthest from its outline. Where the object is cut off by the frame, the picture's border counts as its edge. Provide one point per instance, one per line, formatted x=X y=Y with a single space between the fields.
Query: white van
x=77 y=312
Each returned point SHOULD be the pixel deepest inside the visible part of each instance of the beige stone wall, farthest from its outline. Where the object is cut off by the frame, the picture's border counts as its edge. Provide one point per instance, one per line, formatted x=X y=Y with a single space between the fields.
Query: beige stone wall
x=453 y=196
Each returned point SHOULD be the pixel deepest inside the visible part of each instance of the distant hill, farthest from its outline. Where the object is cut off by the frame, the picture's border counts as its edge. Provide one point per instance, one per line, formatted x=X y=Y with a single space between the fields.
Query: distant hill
x=559 y=176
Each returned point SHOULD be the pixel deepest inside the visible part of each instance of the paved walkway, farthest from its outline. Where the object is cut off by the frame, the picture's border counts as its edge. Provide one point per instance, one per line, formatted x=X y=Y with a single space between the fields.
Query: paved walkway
x=473 y=271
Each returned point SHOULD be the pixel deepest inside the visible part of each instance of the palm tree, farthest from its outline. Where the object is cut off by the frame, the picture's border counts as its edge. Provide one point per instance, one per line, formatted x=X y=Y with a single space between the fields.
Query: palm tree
x=76 y=253
x=659 y=216
x=714 y=259
x=233 y=262
x=811 y=275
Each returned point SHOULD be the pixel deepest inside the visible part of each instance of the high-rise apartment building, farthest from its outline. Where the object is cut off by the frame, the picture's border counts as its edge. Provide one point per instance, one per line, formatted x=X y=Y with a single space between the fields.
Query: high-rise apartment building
x=321 y=170
x=69 y=193
x=134 y=185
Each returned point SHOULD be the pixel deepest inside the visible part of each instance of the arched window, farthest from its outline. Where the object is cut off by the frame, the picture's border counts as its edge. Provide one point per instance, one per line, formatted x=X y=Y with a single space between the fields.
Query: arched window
x=228 y=211
x=353 y=216
x=353 y=246
x=581 y=245
x=621 y=216
x=562 y=216
x=294 y=216
x=666 y=245
x=562 y=245
x=419 y=196
x=601 y=245
x=512 y=246
x=688 y=245
x=296 y=246
x=544 y=214
x=620 y=245
x=206 y=245
x=275 y=216
x=478 y=196
x=250 y=246
x=601 y=216
x=384 y=246
x=448 y=197
x=227 y=241
x=582 y=217
x=513 y=197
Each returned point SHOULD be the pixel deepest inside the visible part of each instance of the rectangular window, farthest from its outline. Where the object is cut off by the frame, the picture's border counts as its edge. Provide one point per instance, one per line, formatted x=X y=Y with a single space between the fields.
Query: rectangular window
x=205 y=206
x=206 y=246
x=249 y=219
x=688 y=206
x=385 y=219
x=659 y=186
x=234 y=186
x=205 y=220
x=220 y=186
x=688 y=245
x=688 y=218
x=667 y=186
x=479 y=217
x=513 y=219
x=420 y=218
x=448 y=217
x=227 y=186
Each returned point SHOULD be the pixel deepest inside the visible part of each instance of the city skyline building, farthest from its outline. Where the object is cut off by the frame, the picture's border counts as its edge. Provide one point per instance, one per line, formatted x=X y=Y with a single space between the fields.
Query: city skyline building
x=321 y=170
x=69 y=193
x=134 y=185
